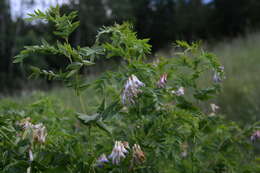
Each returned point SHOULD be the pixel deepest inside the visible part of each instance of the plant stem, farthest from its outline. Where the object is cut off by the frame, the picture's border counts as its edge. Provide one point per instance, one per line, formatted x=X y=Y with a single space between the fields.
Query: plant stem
x=82 y=104
x=90 y=139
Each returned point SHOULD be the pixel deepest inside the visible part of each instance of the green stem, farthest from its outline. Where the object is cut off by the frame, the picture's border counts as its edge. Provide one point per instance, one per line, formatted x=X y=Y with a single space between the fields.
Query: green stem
x=80 y=95
x=90 y=140
x=82 y=103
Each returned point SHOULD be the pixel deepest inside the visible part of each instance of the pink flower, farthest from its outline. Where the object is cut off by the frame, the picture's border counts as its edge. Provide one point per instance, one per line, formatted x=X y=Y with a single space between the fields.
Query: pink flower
x=162 y=81
x=255 y=136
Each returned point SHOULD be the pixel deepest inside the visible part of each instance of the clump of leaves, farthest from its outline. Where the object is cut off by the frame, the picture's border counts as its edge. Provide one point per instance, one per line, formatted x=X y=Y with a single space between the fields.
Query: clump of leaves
x=152 y=106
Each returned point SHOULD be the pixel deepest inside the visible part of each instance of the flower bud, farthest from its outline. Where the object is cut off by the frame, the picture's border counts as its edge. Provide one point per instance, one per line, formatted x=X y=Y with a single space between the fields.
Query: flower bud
x=162 y=81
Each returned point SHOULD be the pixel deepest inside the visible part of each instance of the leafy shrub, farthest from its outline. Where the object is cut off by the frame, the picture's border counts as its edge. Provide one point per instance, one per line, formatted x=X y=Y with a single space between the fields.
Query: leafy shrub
x=149 y=112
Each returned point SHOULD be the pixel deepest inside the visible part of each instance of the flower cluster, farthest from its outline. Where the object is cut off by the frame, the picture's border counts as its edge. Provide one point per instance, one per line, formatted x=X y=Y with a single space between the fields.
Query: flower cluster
x=217 y=75
x=179 y=92
x=119 y=152
x=131 y=89
x=214 y=109
x=162 y=81
x=39 y=132
x=36 y=133
x=255 y=136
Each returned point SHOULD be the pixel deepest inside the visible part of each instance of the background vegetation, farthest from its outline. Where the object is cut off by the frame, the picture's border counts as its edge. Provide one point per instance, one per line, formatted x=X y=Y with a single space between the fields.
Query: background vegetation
x=163 y=21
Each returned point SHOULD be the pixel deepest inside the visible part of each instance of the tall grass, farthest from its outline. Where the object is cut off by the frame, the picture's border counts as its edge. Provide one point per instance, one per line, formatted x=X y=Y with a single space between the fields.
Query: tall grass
x=240 y=99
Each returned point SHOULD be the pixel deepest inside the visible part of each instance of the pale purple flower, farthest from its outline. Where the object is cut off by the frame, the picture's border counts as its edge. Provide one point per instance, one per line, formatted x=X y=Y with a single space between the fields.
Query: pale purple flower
x=217 y=75
x=255 y=136
x=131 y=89
x=162 y=81
x=118 y=153
x=179 y=92
x=101 y=160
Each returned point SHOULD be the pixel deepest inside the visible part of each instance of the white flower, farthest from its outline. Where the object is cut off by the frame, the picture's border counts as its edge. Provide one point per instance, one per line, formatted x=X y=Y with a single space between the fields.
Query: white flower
x=179 y=92
x=39 y=133
x=118 y=152
x=30 y=155
x=131 y=89
x=162 y=81
x=214 y=109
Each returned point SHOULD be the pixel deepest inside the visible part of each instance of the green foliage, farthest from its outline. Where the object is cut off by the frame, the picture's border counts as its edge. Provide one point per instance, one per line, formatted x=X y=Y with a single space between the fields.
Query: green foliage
x=64 y=23
x=150 y=110
x=121 y=41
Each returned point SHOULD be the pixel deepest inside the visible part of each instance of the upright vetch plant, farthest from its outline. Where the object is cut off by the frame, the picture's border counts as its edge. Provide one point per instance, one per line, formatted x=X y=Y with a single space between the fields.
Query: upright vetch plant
x=152 y=106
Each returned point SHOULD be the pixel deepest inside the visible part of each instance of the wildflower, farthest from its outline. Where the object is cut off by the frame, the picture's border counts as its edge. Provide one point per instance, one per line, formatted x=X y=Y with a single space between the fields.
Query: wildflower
x=118 y=152
x=131 y=89
x=179 y=92
x=216 y=76
x=184 y=149
x=101 y=160
x=39 y=133
x=25 y=123
x=214 y=107
x=255 y=136
x=30 y=155
x=126 y=144
x=138 y=154
x=162 y=82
